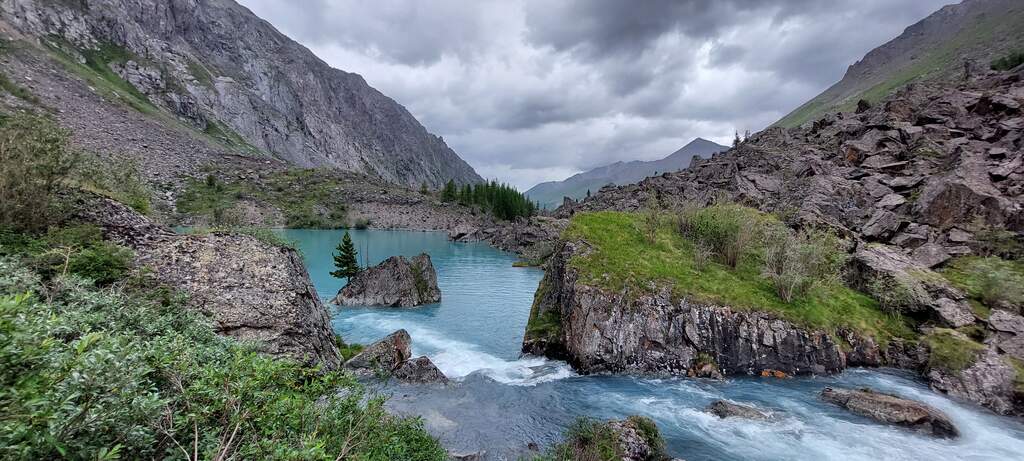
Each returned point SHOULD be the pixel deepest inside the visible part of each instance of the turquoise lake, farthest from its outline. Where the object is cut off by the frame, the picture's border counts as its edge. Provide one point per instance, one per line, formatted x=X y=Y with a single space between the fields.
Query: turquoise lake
x=500 y=402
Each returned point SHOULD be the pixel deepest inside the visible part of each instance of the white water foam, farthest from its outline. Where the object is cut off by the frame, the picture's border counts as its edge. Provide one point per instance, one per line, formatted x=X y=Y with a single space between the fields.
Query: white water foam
x=458 y=359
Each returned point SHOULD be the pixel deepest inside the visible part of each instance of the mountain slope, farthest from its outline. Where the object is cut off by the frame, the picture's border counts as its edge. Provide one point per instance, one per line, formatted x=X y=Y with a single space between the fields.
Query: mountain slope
x=933 y=49
x=218 y=68
x=550 y=194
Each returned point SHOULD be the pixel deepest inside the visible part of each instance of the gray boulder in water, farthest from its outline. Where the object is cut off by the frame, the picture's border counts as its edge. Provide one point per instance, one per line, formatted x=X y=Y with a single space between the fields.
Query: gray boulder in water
x=396 y=282
x=391 y=356
x=724 y=409
x=890 y=409
x=420 y=370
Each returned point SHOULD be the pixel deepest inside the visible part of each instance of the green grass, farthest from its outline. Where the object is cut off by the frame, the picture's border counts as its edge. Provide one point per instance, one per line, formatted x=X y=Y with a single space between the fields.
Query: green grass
x=987 y=280
x=306 y=198
x=1018 y=381
x=200 y=73
x=97 y=73
x=347 y=350
x=224 y=135
x=16 y=90
x=949 y=352
x=622 y=259
x=547 y=325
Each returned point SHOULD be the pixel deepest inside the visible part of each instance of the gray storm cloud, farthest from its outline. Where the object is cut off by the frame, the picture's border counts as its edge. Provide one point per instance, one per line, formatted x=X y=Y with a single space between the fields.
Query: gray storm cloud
x=529 y=90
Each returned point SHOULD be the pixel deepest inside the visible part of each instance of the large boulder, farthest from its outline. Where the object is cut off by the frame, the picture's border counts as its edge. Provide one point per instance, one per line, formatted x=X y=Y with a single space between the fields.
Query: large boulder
x=420 y=370
x=396 y=282
x=725 y=409
x=251 y=290
x=382 y=356
x=894 y=410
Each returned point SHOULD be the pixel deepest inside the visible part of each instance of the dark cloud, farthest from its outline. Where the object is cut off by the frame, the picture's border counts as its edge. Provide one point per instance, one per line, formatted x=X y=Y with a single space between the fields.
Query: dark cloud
x=533 y=90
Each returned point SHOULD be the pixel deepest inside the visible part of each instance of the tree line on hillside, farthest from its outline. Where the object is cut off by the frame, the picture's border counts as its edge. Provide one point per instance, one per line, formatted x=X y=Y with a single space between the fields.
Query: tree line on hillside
x=502 y=200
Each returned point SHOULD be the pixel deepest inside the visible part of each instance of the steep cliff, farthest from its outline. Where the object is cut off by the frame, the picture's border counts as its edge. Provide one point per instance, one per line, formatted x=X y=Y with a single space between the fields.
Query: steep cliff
x=214 y=66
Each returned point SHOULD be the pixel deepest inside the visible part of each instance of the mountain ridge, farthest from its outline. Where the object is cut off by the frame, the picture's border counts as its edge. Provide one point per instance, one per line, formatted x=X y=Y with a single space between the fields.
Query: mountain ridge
x=215 y=66
x=551 y=193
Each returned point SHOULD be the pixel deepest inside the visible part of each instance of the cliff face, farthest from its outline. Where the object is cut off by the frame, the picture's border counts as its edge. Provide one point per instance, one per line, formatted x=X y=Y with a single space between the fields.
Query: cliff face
x=646 y=330
x=214 y=65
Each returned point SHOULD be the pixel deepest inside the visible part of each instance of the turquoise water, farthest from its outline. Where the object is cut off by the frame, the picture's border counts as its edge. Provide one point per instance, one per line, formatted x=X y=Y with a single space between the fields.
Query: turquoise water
x=501 y=402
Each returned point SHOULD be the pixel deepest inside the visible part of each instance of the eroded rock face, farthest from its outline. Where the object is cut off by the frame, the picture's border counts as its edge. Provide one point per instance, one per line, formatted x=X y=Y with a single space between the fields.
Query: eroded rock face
x=989 y=382
x=890 y=409
x=652 y=333
x=396 y=282
x=251 y=290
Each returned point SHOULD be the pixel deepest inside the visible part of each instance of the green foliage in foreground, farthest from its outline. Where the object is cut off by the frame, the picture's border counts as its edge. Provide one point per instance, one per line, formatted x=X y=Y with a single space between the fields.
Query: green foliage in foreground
x=992 y=281
x=347 y=350
x=128 y=372
x=306 y=198
x=591 y=440
x=73 y=250
x=34 y=160
x=622 y=258
x=501 y=200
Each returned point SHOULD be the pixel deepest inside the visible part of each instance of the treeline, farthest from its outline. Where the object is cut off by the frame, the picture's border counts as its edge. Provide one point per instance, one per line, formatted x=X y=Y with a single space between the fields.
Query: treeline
x=502 y=200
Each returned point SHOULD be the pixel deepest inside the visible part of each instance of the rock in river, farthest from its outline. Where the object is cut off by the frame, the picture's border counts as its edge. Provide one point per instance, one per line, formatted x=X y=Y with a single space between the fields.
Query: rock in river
x=724 y=409
x=391 y=355
x=396 y=282
x=890 y=409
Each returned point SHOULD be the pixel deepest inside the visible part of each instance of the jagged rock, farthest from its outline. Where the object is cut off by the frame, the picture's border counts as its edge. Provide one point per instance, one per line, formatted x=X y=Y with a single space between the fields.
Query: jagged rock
x=872 y=261
x=635 y=443
x=396 y=282
x=953 y=313
x=652 y=332
x=1009 y=328
x=420 y=370
x=251 y=290
x=891 y=201
x=959 y=236
x=881 y=225
x=725 y=409
x=382 y=356
x=989 y=381
x=913 y=236
x=890 y=409
x=930 y=255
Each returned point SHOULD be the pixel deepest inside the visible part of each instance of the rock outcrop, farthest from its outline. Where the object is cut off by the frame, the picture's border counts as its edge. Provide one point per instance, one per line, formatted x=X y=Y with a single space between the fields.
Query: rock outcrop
x=224 y=71
x=251 y=290
x=396 y=282
x=391 y=357
x=724 y=409
x=894 y=410
x=649 y=331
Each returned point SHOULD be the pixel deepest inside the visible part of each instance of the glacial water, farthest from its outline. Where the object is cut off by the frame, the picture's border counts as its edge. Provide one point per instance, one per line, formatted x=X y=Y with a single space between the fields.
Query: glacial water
x=501 y=402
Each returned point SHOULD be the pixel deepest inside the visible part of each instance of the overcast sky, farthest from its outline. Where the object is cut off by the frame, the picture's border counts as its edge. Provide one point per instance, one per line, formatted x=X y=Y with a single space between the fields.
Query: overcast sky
x=536 y=90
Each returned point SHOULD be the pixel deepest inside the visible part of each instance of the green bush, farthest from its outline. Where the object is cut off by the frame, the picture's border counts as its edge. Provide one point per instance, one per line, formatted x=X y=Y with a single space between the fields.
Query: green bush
x=587 y=439
x=797 y=261
x=71 y=250
x=347 y=350
x=728 y=230
x=118 y=179
x=34 y=159
x=130 y=372
x=1009 y=61
x=993 y=281
x=892 y=294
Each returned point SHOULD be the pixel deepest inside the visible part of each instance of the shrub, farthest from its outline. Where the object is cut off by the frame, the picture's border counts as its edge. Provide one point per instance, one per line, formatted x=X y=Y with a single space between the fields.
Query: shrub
x=1009 y=61
x=996 y=241
x=96 y=373
x=347 y=350
x=119 y=179
x=651 y=221
x=587 y=440
x=796 y=262
x=892 y=294
x=726 y=229
x=34 y=159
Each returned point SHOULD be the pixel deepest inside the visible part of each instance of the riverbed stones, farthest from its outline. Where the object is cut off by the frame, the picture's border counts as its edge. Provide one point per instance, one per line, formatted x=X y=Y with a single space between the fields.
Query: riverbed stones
x=890 y=409
x=725 y=409
x=396 y=282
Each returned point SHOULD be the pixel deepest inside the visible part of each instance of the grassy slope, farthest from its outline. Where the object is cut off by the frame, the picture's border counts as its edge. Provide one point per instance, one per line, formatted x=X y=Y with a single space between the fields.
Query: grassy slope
x=622 y=258
x=941 y=61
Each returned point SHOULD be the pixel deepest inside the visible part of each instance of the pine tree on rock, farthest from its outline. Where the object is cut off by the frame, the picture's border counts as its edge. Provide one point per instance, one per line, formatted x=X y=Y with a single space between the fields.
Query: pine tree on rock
x=345 y=260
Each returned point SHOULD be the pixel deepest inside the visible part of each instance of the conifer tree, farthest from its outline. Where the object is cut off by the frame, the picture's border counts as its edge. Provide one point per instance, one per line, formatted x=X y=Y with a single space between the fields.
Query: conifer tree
x=345 y=260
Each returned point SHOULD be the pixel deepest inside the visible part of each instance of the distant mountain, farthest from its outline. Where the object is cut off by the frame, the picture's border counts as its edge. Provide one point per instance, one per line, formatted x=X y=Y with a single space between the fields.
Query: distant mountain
x=217 y=68
x=550 y=194
x=933 y=49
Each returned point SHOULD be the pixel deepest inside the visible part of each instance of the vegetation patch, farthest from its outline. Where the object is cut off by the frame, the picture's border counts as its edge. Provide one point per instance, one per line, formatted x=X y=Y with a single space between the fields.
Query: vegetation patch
x=623 y=257
x=951 y=351
x=224 y=135
x=1009 y=61
x=991 y=281
x=501 y=200
x=97 y=72
x=34 y=161
x=130 y=372
x=306 y=198
x=17 y=90
x=587 y=439
x=120 y=180
x=347 y=350
x=1018 y=367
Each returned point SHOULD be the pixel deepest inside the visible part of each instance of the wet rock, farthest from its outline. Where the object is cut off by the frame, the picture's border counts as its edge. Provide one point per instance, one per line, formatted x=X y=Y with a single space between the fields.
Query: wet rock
x=396 y=282
x=894 y=410
x=382 y=356
x=989 y=381
x=420 y=370
x=725 y=409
